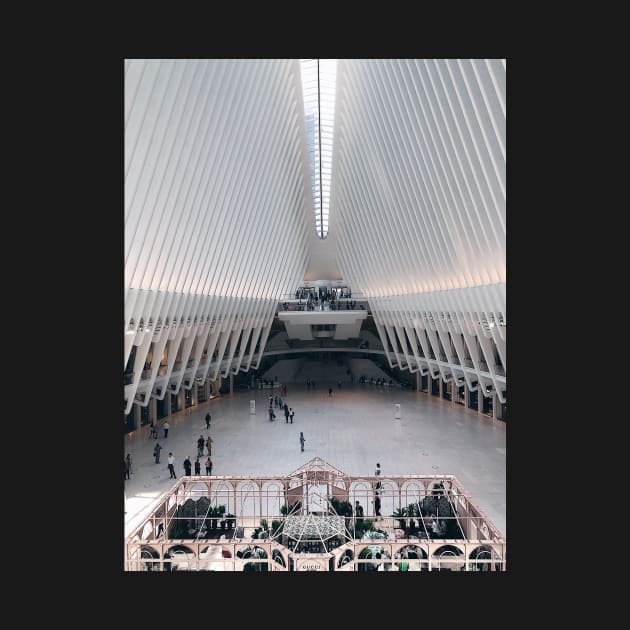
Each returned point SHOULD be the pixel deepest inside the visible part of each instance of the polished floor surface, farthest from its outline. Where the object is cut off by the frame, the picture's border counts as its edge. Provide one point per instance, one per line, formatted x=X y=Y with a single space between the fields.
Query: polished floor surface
x=351 y=430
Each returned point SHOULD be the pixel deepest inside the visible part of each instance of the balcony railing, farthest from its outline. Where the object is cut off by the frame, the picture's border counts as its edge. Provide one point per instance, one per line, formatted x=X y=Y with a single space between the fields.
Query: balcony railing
x=341 y=305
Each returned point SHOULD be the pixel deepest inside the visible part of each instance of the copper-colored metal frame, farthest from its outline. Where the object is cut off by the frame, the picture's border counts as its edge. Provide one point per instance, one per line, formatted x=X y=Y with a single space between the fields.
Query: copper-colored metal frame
x=251 y=499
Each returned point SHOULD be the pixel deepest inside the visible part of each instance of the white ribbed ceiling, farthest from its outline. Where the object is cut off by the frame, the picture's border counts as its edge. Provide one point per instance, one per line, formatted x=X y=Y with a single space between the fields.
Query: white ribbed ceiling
x=219 y=213
x=418 y=208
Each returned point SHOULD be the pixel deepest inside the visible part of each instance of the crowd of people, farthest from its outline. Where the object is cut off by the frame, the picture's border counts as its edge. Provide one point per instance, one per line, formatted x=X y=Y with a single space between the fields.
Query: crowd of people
x=202 y=443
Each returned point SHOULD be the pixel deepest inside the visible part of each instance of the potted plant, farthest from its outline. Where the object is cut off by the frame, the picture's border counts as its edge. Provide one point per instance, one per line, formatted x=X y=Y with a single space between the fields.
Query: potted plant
x=229 y=520
x=276 y=527
x=429 y=505
x=334 y=505
x=400 y=514
x=213 y=512
x=292 y=509
x=362 y=527
x=413 y=510
x=345 y=509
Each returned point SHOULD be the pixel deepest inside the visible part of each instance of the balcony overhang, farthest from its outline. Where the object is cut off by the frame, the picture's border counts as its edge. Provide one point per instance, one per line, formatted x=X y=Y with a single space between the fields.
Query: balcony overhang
x=347 y=324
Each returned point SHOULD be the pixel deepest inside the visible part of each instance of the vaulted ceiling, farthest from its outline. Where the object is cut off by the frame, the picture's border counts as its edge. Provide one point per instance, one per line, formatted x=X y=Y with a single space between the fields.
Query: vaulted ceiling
x=219 y=223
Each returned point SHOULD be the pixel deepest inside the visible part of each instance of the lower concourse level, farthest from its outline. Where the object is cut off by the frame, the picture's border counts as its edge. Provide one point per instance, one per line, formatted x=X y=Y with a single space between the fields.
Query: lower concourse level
x=352 y=427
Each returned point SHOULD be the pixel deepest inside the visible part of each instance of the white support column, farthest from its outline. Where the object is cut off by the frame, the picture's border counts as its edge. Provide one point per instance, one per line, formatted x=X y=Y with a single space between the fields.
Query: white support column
x=136 y=417
x=167 y=404
x=496 y=407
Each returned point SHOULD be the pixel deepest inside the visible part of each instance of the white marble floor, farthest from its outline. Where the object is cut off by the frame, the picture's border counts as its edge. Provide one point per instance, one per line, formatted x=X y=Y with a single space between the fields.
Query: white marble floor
x=351 y=430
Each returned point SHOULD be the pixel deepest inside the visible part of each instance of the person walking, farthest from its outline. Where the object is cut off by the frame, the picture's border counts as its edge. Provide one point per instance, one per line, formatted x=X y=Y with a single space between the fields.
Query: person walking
x=358 y=511
x=171 y=466
x=200 y=444
x=291 y=414
x=126 y=469
x=188 y=466
x=302 y=440
x=286 y=413
x=208 y=421
x=197 y=467
x=156 y=453
x=129 y=462
x=208 y=446
x=166 y=426
x=153 y=433
x=377 y=505
x=208 y=466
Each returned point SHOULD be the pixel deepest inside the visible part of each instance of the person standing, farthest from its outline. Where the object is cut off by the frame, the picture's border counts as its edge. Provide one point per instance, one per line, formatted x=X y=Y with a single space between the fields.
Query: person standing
x=208 y=421
x=358 y=510
x=377 y=505
x=200 y=444
x=166 y=426
x=330 y=391
x=126 y=469
x=377 y=472
x=129 y=461
x=208 y=446
x=156 y=453
x=153 y=433
x=171 y=466
x=286 y=413
x=197 y=467
x=208 y=466
x=291 y=414
x=302 y=440
x=188 y=466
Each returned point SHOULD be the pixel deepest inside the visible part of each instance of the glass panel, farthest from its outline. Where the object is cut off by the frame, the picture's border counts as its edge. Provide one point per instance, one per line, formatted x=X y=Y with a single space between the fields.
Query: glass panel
x=318 y=84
